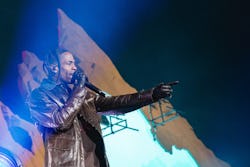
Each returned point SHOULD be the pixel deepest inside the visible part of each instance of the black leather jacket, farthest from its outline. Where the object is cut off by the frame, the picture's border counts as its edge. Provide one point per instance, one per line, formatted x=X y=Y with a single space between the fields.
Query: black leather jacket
x=70 y=124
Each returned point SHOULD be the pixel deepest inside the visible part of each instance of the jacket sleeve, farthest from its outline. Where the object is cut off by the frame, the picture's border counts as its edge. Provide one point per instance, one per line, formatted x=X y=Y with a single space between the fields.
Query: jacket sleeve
x=123 y=103
x=46 y=112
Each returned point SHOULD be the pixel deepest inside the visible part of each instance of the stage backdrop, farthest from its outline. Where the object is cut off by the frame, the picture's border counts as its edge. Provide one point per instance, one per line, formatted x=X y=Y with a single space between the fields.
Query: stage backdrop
x=102 y=72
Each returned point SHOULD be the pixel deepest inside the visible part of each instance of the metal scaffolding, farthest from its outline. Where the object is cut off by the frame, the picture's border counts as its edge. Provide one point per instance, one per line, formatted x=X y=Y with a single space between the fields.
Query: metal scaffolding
x=167 y=114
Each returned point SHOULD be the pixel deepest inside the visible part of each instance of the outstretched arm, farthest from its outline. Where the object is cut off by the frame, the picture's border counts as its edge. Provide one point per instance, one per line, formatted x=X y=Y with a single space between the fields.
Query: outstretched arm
x=130 y=102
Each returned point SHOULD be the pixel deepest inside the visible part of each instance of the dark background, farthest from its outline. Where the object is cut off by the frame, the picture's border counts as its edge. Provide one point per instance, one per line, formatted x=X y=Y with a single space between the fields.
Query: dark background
x=203 y=44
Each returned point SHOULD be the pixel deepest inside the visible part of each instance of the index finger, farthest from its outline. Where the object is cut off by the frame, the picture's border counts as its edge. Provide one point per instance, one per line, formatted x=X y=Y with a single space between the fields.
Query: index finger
x=172 y=83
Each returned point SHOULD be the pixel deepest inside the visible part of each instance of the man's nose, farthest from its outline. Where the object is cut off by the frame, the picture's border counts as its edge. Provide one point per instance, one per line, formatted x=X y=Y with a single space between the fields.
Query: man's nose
x=74 y=67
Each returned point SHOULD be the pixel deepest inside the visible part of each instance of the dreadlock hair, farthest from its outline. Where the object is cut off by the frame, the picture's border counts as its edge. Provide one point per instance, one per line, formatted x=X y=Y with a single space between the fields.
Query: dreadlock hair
x=51 y=65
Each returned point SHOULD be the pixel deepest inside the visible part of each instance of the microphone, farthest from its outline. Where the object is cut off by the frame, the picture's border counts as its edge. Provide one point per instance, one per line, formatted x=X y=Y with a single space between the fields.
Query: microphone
x=80 y=73
x=94 y=88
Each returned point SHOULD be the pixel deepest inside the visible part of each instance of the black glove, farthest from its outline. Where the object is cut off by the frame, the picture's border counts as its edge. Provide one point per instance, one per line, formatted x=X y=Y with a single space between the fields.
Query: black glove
x=79 y=78
x=163 y=90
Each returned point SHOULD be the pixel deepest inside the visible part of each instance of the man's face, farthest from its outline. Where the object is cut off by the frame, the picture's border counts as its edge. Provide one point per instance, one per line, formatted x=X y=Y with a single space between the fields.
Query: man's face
x=67 y=66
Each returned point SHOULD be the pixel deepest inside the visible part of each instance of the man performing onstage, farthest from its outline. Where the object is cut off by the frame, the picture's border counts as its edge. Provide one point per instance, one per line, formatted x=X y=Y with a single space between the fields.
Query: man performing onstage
x=66 y=113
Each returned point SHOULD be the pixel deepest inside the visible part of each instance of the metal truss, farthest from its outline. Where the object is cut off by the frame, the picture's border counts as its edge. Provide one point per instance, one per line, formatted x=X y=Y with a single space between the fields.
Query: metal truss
x=116 y=124
x=167 y=114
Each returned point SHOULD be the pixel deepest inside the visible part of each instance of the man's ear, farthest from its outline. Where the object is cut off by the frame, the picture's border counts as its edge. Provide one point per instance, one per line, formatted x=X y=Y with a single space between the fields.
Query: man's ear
x=55 y=69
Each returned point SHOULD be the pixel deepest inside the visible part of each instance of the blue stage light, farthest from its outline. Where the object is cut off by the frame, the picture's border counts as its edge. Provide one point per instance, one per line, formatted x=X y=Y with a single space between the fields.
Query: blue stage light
x=7 y=159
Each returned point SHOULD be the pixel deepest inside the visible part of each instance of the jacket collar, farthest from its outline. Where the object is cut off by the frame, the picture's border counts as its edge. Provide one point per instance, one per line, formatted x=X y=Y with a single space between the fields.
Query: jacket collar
x=50 y=84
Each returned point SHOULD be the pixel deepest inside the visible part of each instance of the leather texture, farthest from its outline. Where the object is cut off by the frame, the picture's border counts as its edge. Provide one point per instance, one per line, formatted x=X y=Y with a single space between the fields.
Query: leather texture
x=70 y=125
